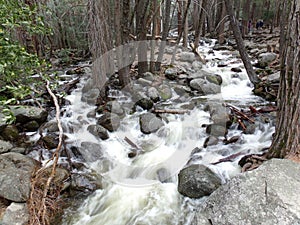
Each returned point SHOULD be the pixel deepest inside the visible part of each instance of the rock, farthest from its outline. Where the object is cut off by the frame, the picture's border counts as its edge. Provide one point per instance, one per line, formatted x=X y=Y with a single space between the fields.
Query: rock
x=2 y=122
x=222 y=64
x=205 y=87
x=149 y=123
x=50 y=126
x=210 y=141
x=15 y=175
x=219 y=114
x=98 y=131
x=236 y=70
x=90 y=152
x=163 y=175
x=84 y=182
x=171 y=73
x=250 y=129
x=165 y=92
x=145 y=103
x=196 y=181
x=114 y=107
x=215 y=79
x=24 y=114
x=267 y=57
x=110 y=121
x=197 y=65
x=216 y=130
x=19 y=150
x=187 y=57
x=148 y=76
x=16 y=214
x=144 y=82
x=90 y=96
x=223 y=48
x=153 y=94
x=273 y=78
x=267 y=195
x=5 y=146
x=50 y=140
x=10 y=133
x=31 y=126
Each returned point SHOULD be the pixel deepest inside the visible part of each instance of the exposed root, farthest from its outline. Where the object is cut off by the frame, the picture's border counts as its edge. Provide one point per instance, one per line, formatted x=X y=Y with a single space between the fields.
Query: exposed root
x=43 y=203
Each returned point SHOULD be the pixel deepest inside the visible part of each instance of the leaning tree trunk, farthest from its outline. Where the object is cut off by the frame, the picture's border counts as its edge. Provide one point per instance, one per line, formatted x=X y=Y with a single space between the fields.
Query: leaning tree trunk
x=240 y=44
x=287 y=135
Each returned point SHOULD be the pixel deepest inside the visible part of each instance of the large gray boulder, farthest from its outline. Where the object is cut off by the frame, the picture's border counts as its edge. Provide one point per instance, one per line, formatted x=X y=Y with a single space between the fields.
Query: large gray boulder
x=5 y=146
x=268 y=195
x=149 y=123
x=204 y=86
x=16 y=213
x=197 y=180
x=15 y=174
x=98 y=131
x=24 y=114
x=110 y=121
x=90 y=152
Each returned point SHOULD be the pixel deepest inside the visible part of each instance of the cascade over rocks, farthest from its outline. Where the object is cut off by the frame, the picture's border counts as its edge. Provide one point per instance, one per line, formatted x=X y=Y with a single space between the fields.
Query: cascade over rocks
x=110 y=121
x=267 y=195
x=98 y=131
x=204 y=86
x=196 y=181
x=149 y=123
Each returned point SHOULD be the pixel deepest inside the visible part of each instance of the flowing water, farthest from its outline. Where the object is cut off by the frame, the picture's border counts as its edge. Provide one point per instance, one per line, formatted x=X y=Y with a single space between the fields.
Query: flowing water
x=143 y=190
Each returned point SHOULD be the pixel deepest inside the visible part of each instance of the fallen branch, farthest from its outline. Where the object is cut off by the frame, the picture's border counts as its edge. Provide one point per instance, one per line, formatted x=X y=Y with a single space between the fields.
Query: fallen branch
x=229 y=158
x=239 y=113
x=44 y=193
x=170 y=111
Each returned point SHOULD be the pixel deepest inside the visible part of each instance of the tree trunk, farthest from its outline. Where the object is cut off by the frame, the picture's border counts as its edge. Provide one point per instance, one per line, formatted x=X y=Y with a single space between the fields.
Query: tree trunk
x=165 y=32
x=185 y=26
x=221 y=24
x=242 y=50
x=287 y=135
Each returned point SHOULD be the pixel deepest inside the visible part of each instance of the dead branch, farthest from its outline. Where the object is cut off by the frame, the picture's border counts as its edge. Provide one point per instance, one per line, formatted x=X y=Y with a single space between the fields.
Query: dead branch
x=239 y=113
x=170 y=111
x=229 y=158
x=43 y=194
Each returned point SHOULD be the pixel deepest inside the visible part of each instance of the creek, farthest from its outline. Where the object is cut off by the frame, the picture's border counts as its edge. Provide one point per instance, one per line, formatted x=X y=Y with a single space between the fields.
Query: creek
x=143 y=190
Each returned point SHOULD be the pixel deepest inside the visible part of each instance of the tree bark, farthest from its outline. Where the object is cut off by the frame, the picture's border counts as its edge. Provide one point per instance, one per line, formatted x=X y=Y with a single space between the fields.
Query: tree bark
x=185 y=26
x=242 y=50
x=287 y=135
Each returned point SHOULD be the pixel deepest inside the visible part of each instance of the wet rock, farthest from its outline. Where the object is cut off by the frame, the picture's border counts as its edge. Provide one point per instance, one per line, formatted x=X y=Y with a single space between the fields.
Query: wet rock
x=50 y=126
x=236 y=70
x=205 y=87
x=216 y=130
x=19 y=150
x=219 y=114
x=98 y=131
x=114 y=107
x=196 y=181
x=273 y=78
x=215 y=79
x=50 y=140
x=223 y=48
x=10 y=133
x=90 y=152
x=165 y=92
x=186 y=57
x=110 y=121
x=24 y=114
x=144 y=82
x=145 y=103
x=266 y=195
x=5 y=146
x=210 y=141
x=153 y=94
x=231 y=140
x=148 y=76
x=15 y=175
x=250 y=129
x=16 y=213
x=197 y=65
x=31 y=126
x=90 y=96
x=164 y=175
x=149 y=123
x=267 y=57
x=171 y=73
x=222 y=64
x=84 y=182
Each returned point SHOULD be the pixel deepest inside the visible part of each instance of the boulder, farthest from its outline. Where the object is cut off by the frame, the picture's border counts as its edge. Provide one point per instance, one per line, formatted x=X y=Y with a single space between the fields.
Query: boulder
x=50 y=140
x=187 y=57
x=267 y=195
x=197 y=180
x=153 y=94
x=236 y=69
x=24 y=114
x=149 y=123
x=114 y=107
x=10 y=133
x=171 y=73
x=16 y=213
x=98 y=131
x=15 y=174
x=90 y=152
x=267 y=57
x=145 y=103
x=197 y=65
x=165 y=92
x=31 y=126
x=90 y=96
x=205 y=87
x=216 y=130
x=110 y=121
x=5 y=146
x=210 y=141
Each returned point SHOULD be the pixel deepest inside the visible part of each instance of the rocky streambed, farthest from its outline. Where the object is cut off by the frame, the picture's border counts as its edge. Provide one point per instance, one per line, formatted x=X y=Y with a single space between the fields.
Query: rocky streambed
x=177 y=132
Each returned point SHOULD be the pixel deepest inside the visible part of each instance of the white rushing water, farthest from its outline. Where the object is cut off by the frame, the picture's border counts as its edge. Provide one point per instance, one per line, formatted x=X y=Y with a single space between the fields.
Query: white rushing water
x=132 y=192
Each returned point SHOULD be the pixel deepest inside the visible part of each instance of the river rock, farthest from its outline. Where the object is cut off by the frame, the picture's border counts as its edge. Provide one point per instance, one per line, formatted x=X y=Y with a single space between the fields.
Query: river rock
x=149 y=123
x=50 y=140
x=197 y=65
x=5 y=146
x=210 y=141
x=98 y=131
x=165 y=92
x=153 y=94
x=267 y=195
x=145 y=103
x=15 y=174
x=84 y=182
x=171 y=73
x=205 y=87
x=50 y=126
x=90 y=152
x=90 y=96
x=236 y=69
x=114 y=107
x=10 y=133
x=197 y=180
x=15 y=213
x=187 y=57
x=267 y=57
x=216 y=130
x=223 y=48
x=24 y=114
x=110 y=121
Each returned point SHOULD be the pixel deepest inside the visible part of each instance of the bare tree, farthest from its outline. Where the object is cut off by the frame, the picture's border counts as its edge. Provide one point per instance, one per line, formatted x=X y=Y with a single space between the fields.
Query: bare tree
x=287 y=135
